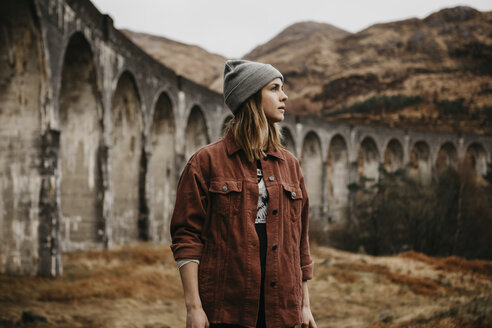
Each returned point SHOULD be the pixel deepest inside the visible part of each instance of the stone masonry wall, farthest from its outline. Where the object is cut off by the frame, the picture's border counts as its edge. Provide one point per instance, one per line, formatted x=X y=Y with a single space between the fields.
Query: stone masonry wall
x=94 y=134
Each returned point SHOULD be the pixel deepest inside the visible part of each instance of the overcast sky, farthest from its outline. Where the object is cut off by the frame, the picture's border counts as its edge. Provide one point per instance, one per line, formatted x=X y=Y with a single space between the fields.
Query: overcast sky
x=233 y=28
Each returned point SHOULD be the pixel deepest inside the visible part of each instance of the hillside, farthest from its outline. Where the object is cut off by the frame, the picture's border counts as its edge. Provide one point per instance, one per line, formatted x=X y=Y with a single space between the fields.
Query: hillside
x=292 y=50
x=190 y=61
x=306 y=54
x=139 y=286
x=431 y=74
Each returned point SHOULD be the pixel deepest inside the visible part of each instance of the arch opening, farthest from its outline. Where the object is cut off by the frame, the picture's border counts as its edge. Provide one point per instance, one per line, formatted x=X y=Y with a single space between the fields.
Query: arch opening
x=127 y=162
x=338 y=180
x=368 y=162
x=80 y=134
x=476 y=159
x=288 y=140
x=196 y=132
x=312 y=163
x=420 y=162
x=162 y=167
x=447 y=157
x=393 y=156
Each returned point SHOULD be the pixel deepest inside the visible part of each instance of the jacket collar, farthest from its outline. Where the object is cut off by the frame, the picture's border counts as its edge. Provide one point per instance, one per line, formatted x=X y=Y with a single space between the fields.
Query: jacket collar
x=232 y=147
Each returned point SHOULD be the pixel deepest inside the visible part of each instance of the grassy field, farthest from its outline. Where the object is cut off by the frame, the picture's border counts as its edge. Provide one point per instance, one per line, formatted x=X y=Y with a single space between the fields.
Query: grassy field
x=139 y=286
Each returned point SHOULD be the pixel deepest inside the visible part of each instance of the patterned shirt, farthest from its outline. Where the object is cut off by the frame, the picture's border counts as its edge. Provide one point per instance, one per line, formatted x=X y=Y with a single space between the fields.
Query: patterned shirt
x=262 y=199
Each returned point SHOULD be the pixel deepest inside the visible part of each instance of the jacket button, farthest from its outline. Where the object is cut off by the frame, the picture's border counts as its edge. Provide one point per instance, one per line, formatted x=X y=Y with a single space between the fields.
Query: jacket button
x=271 y=178
x=273 y=283
x=224 y=188
x=274 y=247
x=274 y=212
x=294 y=194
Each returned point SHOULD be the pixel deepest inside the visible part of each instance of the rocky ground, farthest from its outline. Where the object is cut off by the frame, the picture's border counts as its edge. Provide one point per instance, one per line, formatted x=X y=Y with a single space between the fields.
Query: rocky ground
x=139 y=286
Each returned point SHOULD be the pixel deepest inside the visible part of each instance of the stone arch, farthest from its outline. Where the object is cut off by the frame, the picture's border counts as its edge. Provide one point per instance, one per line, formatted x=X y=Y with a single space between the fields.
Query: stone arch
x=420 y=162
x=447 y=156
x=368 y=160
x=224 y=124
x=288 y=140
x=126 y=158
x=393 y=156
x=80 y=111
x=476 y=158
x=312 y=163
x=22 y=70
x=338 y=179
x=196 y=132
x=162 y=166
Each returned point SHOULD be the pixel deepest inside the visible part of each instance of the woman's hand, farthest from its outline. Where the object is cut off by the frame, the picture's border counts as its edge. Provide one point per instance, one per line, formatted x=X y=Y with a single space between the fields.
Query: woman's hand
x=307 y=318
x=196 y=318
x=307 y=315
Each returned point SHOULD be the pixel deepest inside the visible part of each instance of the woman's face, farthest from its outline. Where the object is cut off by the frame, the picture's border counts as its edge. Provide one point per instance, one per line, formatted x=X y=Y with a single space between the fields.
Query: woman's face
x=273 y=100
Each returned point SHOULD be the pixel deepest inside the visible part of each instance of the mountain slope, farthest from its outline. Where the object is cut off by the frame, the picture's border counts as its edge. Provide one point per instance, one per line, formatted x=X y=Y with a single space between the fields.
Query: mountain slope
x=433 y=73
x=190 y=61
x=305 y=53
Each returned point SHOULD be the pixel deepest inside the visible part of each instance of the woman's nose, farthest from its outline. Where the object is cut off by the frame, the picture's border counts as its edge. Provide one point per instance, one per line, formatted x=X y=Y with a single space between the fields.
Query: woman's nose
x=283 y=96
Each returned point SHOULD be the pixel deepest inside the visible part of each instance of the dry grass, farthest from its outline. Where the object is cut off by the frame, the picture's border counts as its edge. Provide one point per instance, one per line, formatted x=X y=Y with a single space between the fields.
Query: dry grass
x=139 y=286
x=354 y=290
x=131 y=272
x=476 y=314
x=453 y=263
x=417 y=285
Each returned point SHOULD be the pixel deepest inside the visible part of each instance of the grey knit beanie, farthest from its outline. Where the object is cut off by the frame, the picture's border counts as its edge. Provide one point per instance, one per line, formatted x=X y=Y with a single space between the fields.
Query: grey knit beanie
x=243 y=78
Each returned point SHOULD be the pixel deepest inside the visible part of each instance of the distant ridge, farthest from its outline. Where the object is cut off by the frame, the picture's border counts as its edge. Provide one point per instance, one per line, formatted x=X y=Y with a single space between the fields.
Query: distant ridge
x=190 y=61
x=432 y=73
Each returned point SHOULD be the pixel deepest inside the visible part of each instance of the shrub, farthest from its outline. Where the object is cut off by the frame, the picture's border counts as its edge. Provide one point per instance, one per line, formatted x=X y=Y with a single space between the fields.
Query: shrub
x=378 y=104
x=486 y=111
x=452 y=107
x=451 y=216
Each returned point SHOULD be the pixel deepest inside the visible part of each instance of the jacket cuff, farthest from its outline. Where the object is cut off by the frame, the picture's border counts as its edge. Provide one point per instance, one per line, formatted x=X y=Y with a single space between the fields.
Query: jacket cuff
x=187 y=251
x=307 y=271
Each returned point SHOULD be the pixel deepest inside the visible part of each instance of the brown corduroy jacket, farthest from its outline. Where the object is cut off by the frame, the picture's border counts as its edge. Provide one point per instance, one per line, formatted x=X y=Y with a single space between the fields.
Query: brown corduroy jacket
x=214 y=222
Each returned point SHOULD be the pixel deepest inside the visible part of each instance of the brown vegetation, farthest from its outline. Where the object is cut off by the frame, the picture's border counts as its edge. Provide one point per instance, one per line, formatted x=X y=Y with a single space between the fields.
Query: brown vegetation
x=139 y=286
x=453 y=263
x=134 y=271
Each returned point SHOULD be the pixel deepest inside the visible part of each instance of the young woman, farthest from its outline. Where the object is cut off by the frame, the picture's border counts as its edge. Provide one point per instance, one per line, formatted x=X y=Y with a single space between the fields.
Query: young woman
x=240 y=222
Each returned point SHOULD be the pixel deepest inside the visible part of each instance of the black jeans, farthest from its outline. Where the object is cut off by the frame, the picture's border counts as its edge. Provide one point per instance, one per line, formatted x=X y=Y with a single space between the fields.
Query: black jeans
x=261 y=323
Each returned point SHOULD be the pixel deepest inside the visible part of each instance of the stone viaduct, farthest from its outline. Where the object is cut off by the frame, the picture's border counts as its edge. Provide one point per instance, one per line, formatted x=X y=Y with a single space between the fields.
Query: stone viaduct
x=94 y=134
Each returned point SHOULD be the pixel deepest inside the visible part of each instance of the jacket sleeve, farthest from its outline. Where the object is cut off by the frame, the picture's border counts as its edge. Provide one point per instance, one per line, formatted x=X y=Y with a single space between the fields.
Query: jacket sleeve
x=307 y=264
x=189 y=214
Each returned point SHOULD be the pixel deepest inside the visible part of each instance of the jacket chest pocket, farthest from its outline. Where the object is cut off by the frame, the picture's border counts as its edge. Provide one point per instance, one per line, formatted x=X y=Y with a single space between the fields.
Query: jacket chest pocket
x=292 y=197
x=225 y=195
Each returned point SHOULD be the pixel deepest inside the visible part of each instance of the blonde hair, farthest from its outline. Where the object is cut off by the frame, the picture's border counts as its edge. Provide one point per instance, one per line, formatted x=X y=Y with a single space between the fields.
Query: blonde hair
x=251 y=130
